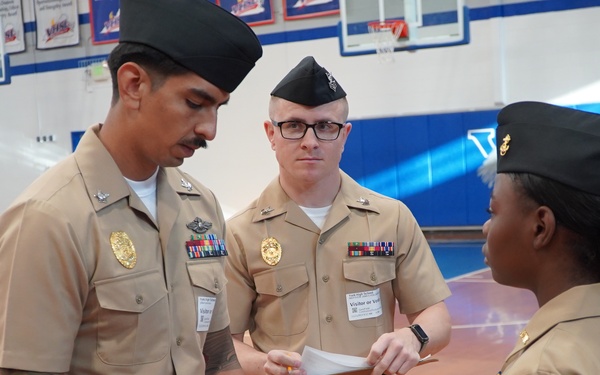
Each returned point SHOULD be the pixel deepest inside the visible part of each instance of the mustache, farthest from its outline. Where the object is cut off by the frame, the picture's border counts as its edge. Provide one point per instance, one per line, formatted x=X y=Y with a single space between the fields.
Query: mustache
x=197 y=143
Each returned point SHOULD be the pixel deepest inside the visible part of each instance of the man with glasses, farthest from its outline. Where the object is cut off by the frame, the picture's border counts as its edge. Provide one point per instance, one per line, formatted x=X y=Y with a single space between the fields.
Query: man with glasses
x=317 y=260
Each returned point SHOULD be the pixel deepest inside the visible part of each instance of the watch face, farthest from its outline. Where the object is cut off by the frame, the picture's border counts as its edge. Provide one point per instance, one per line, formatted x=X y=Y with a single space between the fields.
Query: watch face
x=421 y=335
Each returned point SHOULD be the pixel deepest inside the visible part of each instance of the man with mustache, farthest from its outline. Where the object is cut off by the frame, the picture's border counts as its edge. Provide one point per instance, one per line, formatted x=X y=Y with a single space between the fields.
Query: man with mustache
x=112 y=261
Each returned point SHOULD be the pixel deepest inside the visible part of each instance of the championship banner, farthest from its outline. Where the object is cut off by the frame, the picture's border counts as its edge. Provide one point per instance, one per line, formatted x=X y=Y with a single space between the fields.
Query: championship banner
x=298 y=9
x=4 y=74
x=11 y=15
x=104 y=20
x=57 y=23
x=253 y=12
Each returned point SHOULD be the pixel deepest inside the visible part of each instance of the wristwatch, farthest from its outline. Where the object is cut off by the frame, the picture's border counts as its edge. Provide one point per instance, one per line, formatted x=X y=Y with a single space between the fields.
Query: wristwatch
x=421 y=335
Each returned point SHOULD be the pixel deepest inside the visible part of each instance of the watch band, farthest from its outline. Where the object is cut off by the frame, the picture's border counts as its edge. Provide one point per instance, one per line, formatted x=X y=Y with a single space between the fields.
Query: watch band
x=420 y=334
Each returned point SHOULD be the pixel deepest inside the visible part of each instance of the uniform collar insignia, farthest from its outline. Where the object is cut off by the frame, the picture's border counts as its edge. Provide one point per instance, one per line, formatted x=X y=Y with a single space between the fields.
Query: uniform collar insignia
x=187 y=185
x=266 y=211
x=363 y=201
x=102 y=197
x=199 y=226
x=524 y=337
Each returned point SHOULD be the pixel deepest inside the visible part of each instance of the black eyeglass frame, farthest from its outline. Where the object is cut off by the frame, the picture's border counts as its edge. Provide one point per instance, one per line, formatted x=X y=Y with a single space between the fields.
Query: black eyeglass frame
x=309 y=126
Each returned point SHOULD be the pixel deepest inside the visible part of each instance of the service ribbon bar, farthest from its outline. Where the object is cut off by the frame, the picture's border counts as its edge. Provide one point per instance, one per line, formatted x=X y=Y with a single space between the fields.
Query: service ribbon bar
x=361 y=249
x=205 y=246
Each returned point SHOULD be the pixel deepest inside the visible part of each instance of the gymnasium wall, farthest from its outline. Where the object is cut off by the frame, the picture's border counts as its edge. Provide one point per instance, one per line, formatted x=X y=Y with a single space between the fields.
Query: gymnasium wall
x=411 y=118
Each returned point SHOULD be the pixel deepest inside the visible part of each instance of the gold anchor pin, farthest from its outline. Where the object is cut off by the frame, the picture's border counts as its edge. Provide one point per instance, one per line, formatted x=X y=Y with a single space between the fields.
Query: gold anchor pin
x=504 y=146
x=524 y=337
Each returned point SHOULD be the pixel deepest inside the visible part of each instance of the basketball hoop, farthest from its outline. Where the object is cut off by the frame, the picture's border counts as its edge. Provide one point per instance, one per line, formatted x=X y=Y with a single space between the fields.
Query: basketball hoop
x=385 y=34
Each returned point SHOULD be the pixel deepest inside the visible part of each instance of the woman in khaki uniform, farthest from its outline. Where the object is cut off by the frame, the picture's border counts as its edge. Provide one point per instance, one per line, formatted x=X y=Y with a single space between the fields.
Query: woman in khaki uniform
x=112 y=261
x=319 y=260
x=544 y=234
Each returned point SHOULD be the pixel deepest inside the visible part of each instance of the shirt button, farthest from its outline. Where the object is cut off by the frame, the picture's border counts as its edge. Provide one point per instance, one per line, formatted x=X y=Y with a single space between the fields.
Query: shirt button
x=326 y=278
x=329 y=318
x=178 y=342
x=139 y=300
x=373 y=277
x=279 y=288
x=321 y=240
x=216 y=284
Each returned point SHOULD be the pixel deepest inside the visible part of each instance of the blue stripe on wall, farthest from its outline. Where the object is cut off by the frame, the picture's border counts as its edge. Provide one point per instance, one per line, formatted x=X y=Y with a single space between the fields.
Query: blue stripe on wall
x=429 y=162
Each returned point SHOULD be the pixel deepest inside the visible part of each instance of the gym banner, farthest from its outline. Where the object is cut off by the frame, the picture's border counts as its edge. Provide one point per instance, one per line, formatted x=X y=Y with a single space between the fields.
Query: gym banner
x=253 y=12
x=57 y=23
x=298 y=9
x=11 y=16
x=104 y=19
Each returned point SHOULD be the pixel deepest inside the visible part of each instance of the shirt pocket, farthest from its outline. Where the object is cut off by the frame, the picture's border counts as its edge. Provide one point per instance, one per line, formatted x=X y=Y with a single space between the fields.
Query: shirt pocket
x=370 y=273
x=282 y=302
x=133 y=319
x=208 y=280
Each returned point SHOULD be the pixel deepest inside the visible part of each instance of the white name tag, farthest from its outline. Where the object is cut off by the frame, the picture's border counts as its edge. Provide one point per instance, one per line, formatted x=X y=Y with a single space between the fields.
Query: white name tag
x=364 y=305
x=206 y=305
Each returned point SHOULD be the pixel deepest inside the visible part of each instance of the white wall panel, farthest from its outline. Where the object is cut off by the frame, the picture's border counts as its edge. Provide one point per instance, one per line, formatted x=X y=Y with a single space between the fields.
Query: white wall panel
x=549 y=56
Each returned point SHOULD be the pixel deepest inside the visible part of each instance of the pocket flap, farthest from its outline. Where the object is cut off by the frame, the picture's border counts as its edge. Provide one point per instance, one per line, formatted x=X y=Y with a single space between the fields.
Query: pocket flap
x=281 y=281
x=370 y=271
x=131 y=293
x=207 y=274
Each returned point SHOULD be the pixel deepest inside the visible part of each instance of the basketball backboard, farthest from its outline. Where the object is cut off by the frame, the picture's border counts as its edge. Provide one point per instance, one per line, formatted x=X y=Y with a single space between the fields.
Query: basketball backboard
x=431 y=23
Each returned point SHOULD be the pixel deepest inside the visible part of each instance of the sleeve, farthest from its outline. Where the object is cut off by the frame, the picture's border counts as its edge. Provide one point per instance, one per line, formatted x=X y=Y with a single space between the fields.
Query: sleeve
x=43 y=286
x=241 y=291
x=419 y=282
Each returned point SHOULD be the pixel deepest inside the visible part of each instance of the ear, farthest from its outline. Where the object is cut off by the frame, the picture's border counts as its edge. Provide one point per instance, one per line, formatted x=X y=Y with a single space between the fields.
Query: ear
x=346 y=131
x=545 y=227
x=270 y=131
x=133 y=82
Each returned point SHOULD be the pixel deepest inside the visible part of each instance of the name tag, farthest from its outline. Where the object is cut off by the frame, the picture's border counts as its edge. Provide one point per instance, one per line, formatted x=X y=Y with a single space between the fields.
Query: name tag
x=364 y=305
x=206 y=306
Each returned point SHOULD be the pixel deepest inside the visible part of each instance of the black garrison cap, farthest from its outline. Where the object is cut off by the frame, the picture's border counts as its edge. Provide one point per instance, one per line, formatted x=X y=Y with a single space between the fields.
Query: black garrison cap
x=201 y=36
x=559 y=143
x=309 y=84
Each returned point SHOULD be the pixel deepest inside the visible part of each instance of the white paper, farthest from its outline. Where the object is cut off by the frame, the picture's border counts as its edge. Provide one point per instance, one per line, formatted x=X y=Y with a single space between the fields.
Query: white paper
x=318 y=362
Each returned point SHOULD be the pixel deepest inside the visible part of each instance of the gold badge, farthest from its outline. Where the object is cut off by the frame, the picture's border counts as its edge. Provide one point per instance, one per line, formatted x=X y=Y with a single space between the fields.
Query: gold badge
x=504 y=146
x=271 y=251
x=123 y=249
x=524 y=337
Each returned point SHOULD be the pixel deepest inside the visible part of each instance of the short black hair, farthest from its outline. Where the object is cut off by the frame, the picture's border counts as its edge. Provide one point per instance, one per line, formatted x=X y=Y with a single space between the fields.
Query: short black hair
x=575 y=210
x=158 y=65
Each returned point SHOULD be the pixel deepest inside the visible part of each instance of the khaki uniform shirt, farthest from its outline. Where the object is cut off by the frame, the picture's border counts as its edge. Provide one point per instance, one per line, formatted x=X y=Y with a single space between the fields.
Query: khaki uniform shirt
x=562 y=337
x=302 y=300
x=68 y=304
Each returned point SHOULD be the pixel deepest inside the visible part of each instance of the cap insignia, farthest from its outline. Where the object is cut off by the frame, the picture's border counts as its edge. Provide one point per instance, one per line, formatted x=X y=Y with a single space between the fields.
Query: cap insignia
x=504 y=146
x=332 y=83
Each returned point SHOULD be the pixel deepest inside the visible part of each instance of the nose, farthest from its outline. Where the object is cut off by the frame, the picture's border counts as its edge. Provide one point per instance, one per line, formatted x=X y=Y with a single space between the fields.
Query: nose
x=207 y=129
x=310 y=139
x=485 y=227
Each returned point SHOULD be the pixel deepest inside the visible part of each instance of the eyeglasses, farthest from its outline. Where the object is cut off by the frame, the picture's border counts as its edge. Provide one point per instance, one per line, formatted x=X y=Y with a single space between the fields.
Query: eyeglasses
x=324 y=130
